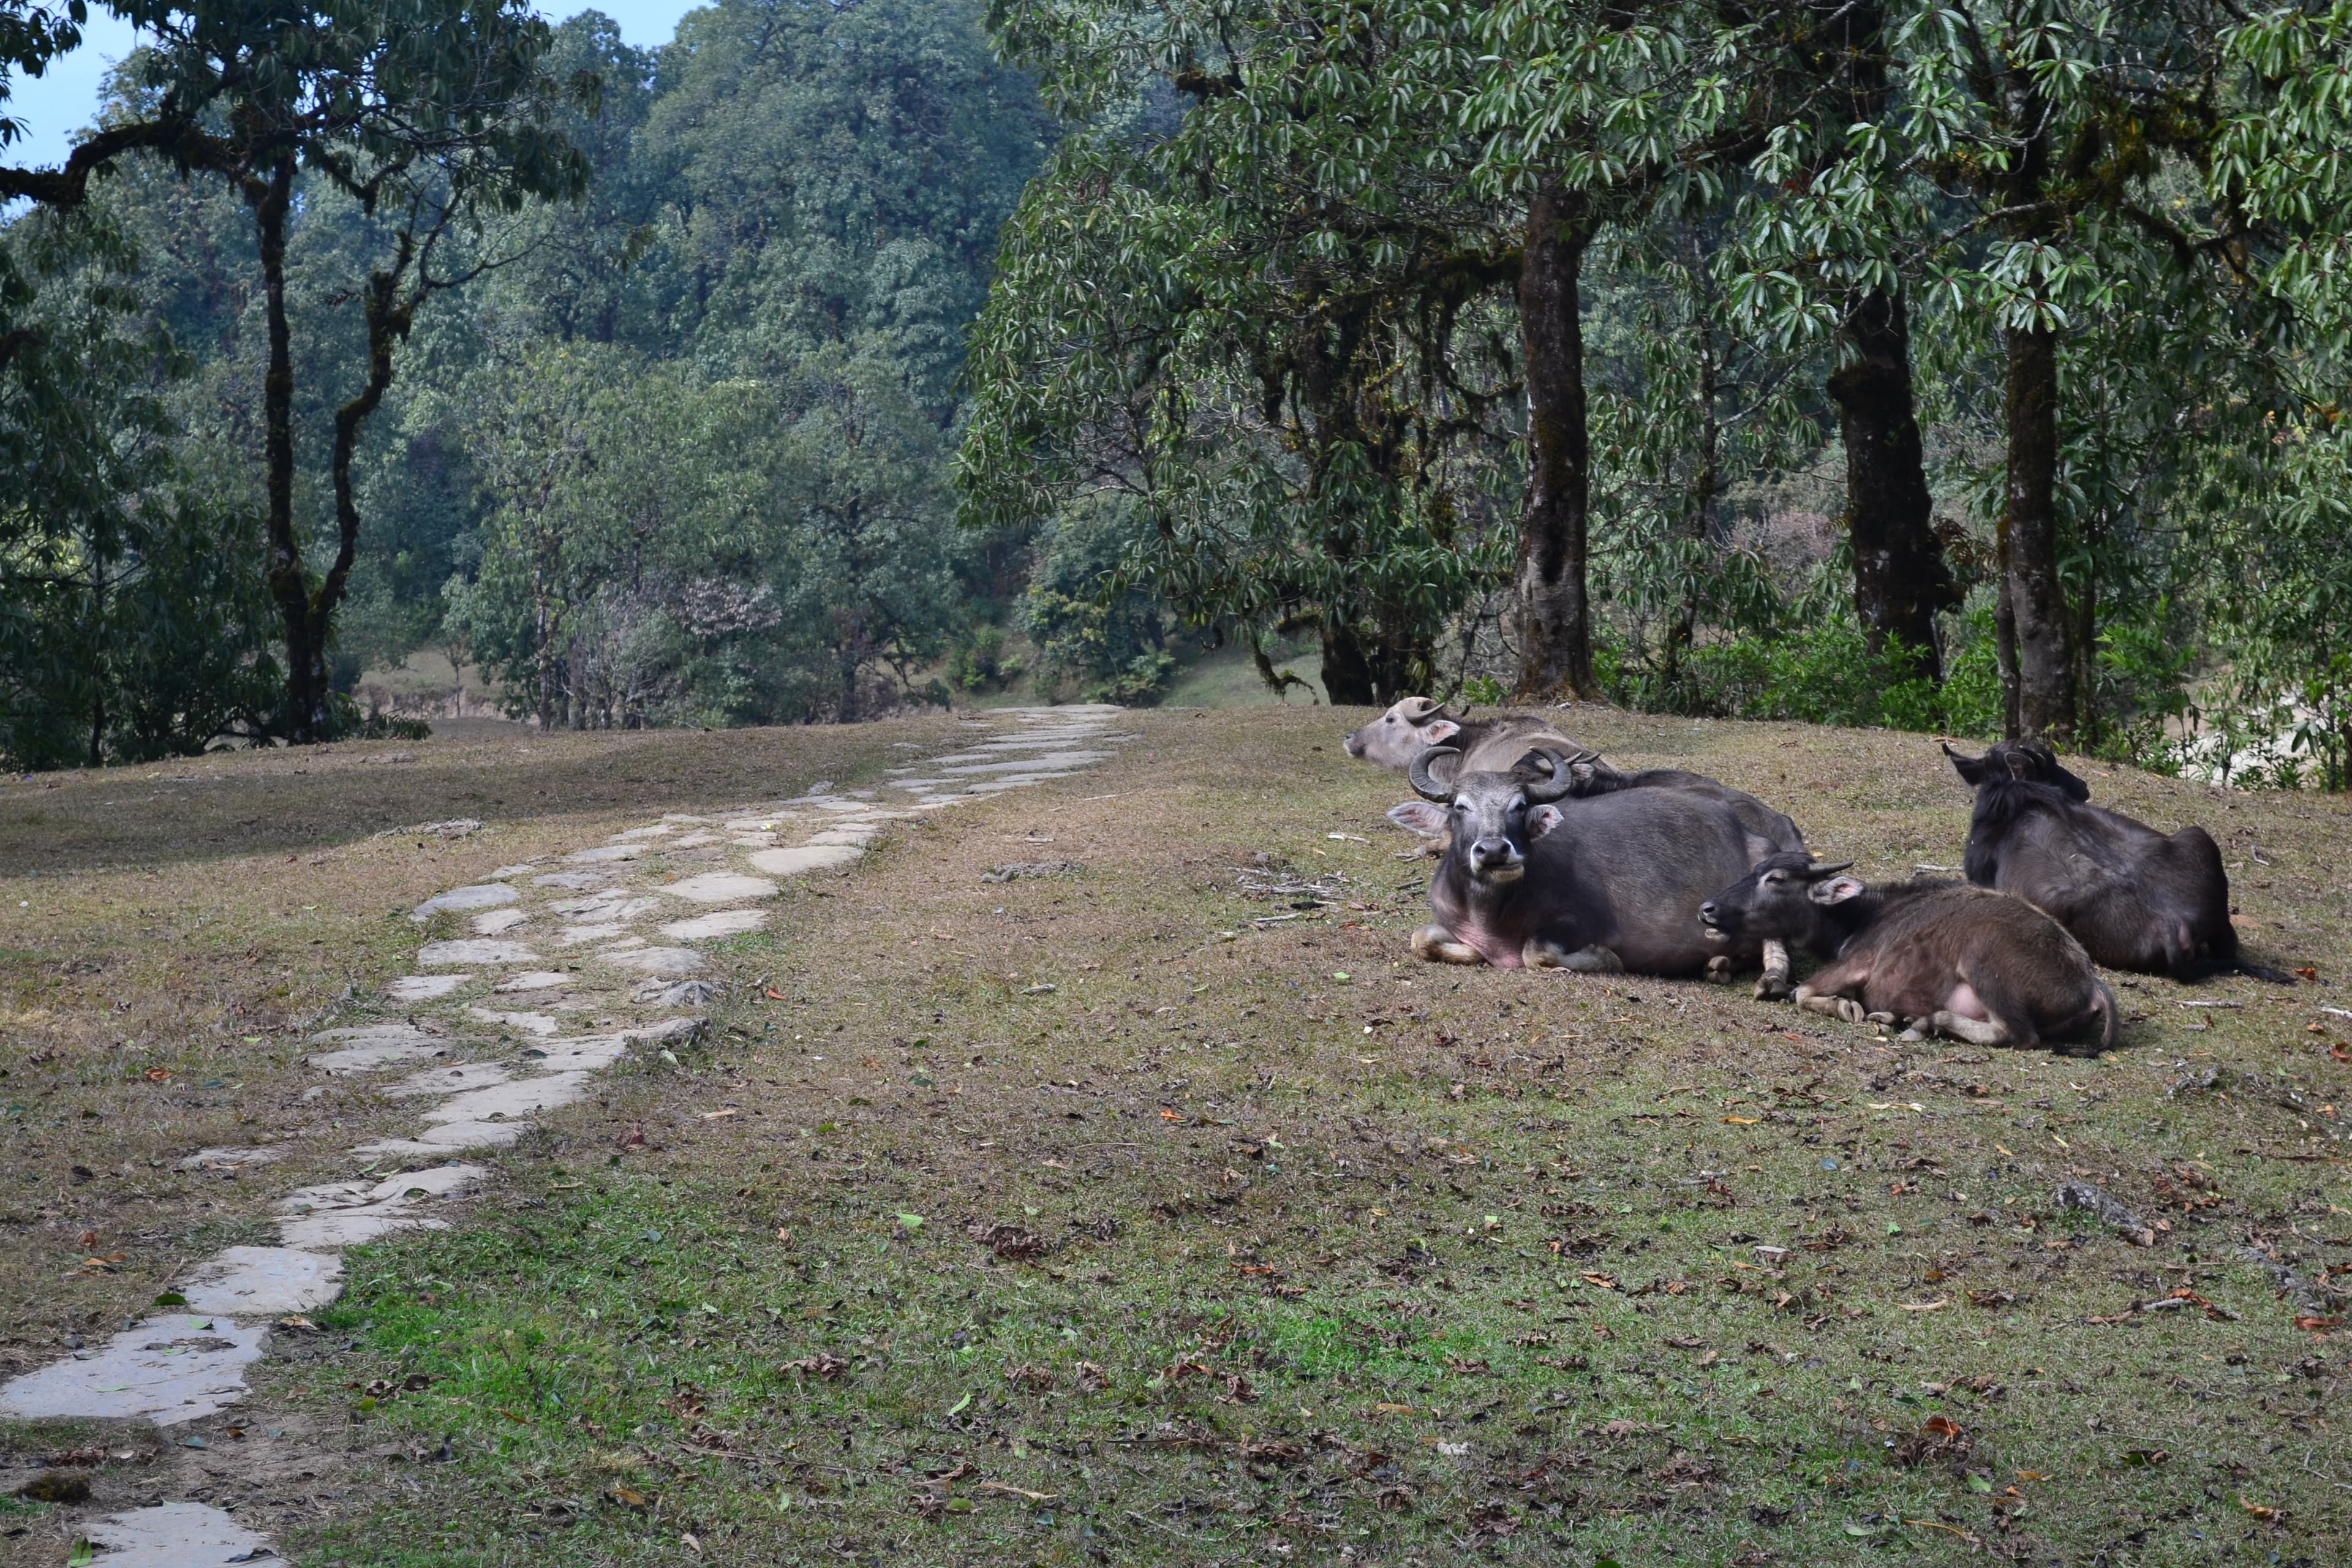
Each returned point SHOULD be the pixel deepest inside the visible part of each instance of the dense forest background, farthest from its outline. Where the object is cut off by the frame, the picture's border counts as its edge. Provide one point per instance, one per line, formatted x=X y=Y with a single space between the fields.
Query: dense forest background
x=1971 y=367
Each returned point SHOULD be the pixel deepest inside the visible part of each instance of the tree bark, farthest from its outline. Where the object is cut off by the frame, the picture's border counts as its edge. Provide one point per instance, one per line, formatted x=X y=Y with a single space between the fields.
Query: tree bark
x=272 y=199
x=2045 y=632
x=1550 y=613
x=1900 y=577
x=2004 y=640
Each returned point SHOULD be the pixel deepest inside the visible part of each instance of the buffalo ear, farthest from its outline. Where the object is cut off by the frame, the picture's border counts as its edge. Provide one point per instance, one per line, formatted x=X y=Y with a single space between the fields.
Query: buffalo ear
x=1971 y=769
x=1439 y=729
x=1541 y=820
x=1424 y=818
x=1834 y=890
x=2022 y=767
x=2066 y=780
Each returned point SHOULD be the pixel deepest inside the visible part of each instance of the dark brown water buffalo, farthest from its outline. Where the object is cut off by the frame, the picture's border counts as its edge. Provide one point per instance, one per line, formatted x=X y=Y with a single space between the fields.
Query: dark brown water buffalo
x=1609 y=884
x=1413 y=724
x=2134 y=897
x=1939 y=956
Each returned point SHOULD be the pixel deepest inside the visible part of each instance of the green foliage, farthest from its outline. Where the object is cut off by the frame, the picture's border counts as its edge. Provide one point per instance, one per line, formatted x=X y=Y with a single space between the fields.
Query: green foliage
x=1824 y=673
x=981 y=662
x=133 y=623
x=1095 y=632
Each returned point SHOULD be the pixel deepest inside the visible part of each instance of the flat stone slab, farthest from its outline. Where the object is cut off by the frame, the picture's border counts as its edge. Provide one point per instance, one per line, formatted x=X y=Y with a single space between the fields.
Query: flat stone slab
x=482 y=896
x=448 y=1080
x=721 y=887
x=604 y=854
x=696 y=840
x=473 y=950
x=513 y=1099
x=679 y=993
x=178 y=1535
x=171 y=1369
x=376 y=1046
x=423 y=987
x=1043 y=763
x=231 y=1159
x=538 y=1024
x=660 y=960
x=604 y=910
x=344 y=1214
x=586 y=933
x=858 y=833
x=498 y=921
x=588 y=1053
x=263 y=1281
x=725 y=922
x=573 y=880
x=799 y=862
x=441 y=1142
x=658 y=830
x=537 y=980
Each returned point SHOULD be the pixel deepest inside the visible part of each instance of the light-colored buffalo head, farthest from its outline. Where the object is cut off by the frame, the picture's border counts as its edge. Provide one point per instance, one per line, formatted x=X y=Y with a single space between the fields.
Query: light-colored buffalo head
x=1410 y=727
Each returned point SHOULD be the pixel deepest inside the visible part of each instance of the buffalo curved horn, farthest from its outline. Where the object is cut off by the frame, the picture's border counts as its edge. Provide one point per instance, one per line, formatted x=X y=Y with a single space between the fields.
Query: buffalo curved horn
x=1417 y=774
x=1827 y=868
x=1539 y=792
x=1416 y=709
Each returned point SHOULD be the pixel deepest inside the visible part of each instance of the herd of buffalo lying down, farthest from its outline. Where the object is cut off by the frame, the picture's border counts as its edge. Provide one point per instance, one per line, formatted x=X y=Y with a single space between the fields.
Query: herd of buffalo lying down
x=1552 y=858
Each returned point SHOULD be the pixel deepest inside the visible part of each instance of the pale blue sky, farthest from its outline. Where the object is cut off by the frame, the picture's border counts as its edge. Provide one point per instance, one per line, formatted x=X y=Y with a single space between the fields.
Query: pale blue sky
x=55 y=106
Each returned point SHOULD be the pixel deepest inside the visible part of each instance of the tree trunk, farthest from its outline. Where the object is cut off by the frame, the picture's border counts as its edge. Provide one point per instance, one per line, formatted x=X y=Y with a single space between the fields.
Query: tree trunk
x=2004 y=641
x=1347 y=672
x=98 y=671
x=305 y=655
x=387 y=317
x=1900 y=577
x=2045 y=632
x=1549 y=610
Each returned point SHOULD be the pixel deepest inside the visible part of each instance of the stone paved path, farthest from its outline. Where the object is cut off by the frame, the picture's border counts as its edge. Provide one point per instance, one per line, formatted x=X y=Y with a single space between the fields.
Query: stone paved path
x=590 y=958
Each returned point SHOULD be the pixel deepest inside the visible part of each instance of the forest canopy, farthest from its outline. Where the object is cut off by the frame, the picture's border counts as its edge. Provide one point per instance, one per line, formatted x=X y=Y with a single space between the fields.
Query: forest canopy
x=1975 y=366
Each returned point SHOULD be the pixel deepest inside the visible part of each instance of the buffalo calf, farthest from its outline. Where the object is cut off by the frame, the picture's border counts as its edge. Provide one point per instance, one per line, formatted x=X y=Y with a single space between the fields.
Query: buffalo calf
x=1939 y=957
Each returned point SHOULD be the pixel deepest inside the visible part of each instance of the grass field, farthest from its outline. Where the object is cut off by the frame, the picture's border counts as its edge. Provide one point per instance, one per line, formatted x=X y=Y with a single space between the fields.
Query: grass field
x=1165 y=1211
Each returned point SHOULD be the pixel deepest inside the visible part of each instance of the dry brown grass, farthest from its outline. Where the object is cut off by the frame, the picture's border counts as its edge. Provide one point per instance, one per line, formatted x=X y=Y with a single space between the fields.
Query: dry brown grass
x=1344 y=1191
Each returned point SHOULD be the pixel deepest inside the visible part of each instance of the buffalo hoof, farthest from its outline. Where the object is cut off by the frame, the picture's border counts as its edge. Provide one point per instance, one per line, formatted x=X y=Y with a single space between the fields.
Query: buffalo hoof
x=1718 y=969
x=1594 y=960
x=1911 y=1034
x=1436 y=944
x=1882 y=1017
x=1852 y=1011
x=1773 y=988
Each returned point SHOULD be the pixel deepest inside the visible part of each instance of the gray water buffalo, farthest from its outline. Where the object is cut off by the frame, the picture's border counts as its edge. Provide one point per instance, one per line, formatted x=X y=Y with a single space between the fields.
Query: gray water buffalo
x=1939 y=956
x=2134 y=897
x=1413 y=724
x=1592 y=776
x=1606 y=885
